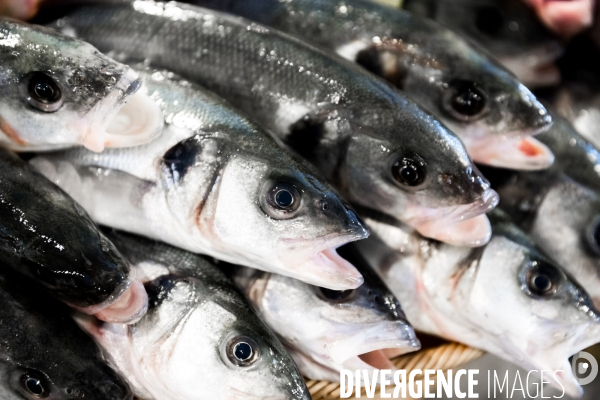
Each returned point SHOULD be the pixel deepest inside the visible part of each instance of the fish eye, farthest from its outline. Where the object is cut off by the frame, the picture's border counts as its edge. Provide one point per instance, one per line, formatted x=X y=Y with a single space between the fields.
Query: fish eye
x=282 y=200
x=335 y=296
x=43 y=92
x=242 y=351
x=34 y=384
x=489 y=20
x=409 y=170
x=593 y=235
x=464 y=100
x=542 y=279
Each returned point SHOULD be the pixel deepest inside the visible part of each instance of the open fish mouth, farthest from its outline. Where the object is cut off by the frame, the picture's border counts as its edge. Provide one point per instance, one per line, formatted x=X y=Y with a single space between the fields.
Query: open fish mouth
x=367 y=348
x=463 y=225
x=511 y=152
x=329 y=270
x=125 y=117
x=127 y=305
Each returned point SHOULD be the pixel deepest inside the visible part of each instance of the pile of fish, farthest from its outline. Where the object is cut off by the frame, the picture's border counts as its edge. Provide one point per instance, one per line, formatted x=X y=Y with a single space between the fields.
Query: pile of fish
x=182 y=182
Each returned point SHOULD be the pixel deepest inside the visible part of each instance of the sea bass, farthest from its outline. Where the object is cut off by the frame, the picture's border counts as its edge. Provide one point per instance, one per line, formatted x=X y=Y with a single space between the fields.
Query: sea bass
x=509 y=29
x=47 y=236
x=377 y=147
x=59 y=92
x=199 y=330
x=43 y=354
x=492 y=113
x=505 y=298
x=329 y=330
x=215 y=183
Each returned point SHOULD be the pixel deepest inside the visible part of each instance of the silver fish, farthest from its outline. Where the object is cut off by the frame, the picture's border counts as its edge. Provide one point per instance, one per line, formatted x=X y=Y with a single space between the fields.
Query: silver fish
x=43 y=354
x=59 y=92
x=328 y=330
x=47 y=236
x=508 y=29
x=377 y=147
x=215 y=183
x=492 y=113
x=198 y=331
x=505 y=298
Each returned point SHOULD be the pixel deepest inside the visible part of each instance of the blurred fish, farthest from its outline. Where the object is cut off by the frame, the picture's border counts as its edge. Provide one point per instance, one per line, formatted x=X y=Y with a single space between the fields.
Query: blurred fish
x=506 y=297
x=58 y=92
x=215 y=183
x=329 y=330
x=377 y=147
x=45 y=235
x=492 y=113
x=508 y=29
x=198 y=331
x=43 y=354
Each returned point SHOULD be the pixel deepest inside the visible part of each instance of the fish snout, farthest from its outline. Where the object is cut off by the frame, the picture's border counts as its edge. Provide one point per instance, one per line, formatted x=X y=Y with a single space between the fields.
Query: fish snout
x=352 y=226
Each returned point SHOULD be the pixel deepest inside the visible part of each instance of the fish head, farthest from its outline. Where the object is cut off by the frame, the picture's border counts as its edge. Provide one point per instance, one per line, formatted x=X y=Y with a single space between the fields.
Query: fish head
x=567 y=227
x=328 y=330
x=424 y=179
x=509 y=30
x=534 y=314
x=280 y=216
x=204 y=328
x=58 y=91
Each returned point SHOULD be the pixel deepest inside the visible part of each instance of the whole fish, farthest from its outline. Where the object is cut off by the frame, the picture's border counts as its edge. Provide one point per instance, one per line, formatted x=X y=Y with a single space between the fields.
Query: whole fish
x=377 y=147
x=508 y=29
x=59 y=92
x=199 y=331
x=563 y=217
x=325 y=330
x=47 y=236
x=505 y=298
x=217 y=184
x=492 y=113
x=43 y=354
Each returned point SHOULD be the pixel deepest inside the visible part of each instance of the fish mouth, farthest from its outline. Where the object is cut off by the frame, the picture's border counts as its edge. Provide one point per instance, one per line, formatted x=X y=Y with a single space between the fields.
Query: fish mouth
x=538 y=69
x=329 y=270
x=519 y=153
x=366 y=348
x=463 y=225
x=127 y=305
x=126 y=117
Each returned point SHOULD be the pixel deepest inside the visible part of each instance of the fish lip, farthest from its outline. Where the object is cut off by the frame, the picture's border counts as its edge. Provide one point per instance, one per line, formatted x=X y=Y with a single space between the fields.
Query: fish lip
x=373 y=337
x=329 y=270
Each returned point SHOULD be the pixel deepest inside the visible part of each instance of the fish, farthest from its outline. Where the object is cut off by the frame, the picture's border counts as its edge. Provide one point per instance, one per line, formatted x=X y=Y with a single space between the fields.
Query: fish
x=44 y=354
x=47 y=236
x=325 y=330
x=508 y=29
x=376 y=146
x=60 y=92
x=494 y=115
x=506 y=297
x=217 y=184
x=198 y=330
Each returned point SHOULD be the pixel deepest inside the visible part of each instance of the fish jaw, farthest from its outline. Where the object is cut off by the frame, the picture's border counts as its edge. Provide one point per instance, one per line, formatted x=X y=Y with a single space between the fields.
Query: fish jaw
x=372 y=338
x=458 y=225
x=127 y=305
x=519 y=153
x=110 y=123
x=329 y=270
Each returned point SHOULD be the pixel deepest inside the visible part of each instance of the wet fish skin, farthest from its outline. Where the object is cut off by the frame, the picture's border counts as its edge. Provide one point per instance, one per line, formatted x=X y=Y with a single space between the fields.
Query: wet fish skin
x=332 y=112
x=194 y=312
x=326 y=331
x=429 y=63
x=487 y=297
x=204 y=185
x=40 y=340
x=51 y=239
x=87 y=89
x=508 y=29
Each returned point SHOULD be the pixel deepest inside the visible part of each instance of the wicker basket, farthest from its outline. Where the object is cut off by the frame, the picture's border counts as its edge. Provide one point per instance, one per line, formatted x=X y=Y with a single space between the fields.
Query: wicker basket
x=442 y=356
